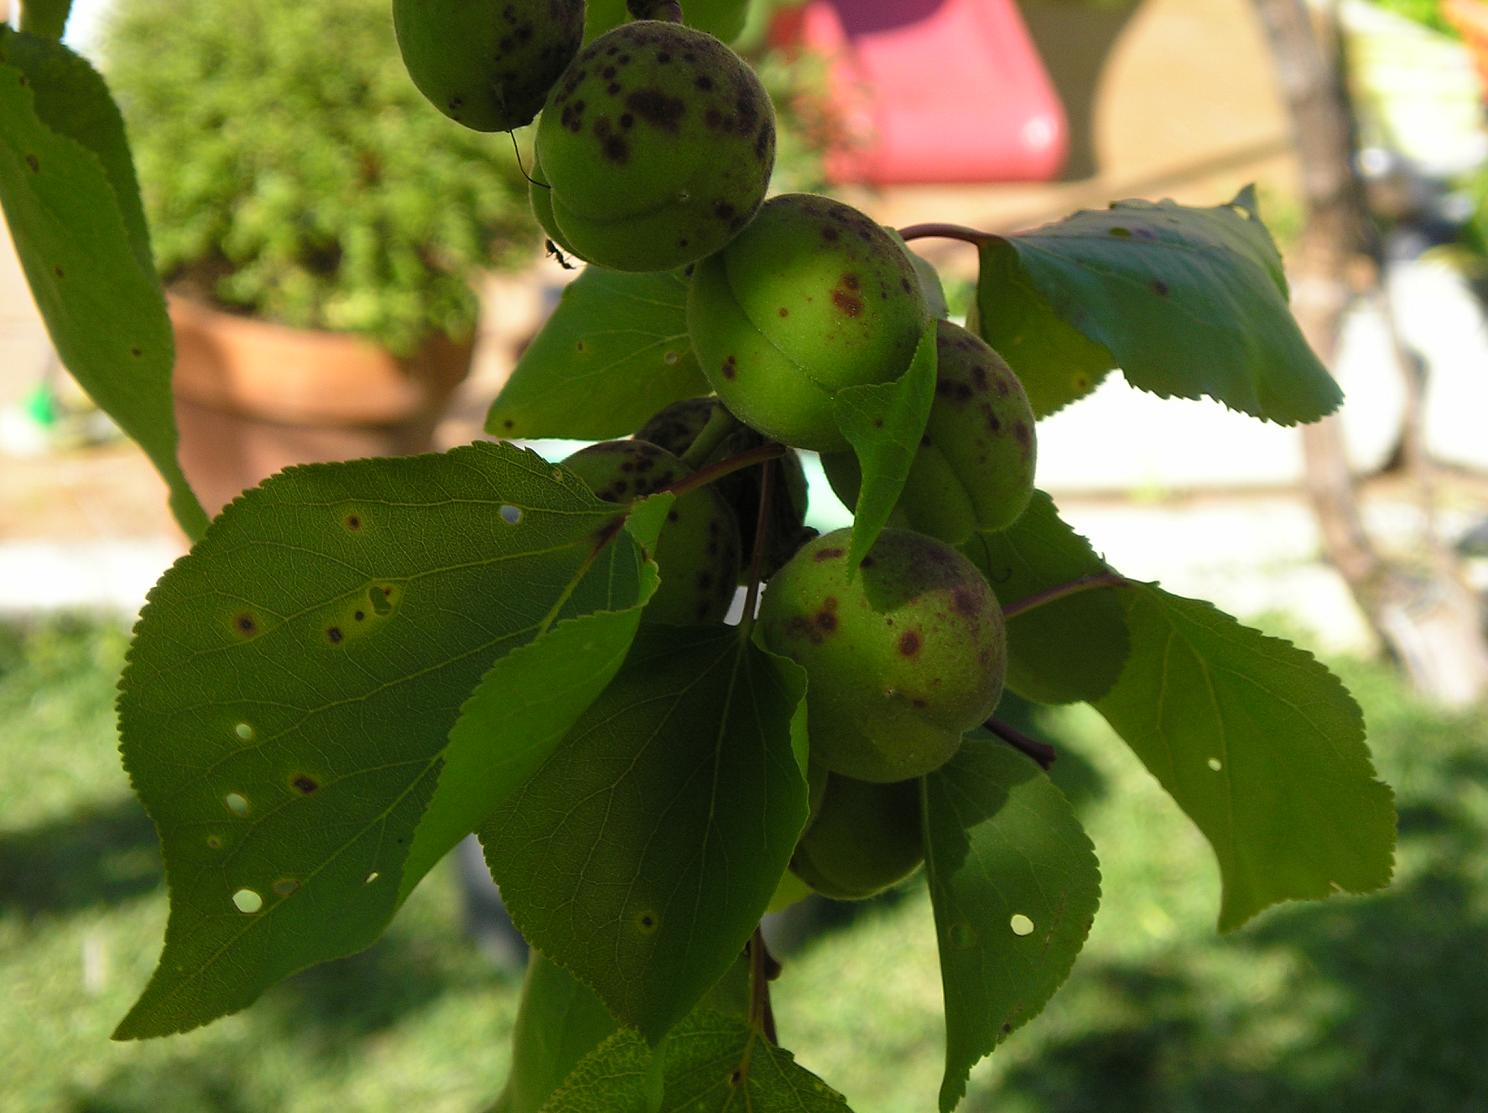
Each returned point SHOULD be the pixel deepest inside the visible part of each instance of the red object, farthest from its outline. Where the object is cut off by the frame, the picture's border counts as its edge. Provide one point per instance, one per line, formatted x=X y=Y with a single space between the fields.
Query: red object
x=1470 y=17
x=935 y=91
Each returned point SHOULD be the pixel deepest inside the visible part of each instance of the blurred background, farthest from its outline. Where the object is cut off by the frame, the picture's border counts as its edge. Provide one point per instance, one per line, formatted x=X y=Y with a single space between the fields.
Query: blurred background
x=302 y=210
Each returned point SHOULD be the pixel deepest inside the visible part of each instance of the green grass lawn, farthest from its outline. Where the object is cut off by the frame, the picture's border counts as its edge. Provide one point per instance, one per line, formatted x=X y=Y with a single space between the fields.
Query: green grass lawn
x=1376 y=1004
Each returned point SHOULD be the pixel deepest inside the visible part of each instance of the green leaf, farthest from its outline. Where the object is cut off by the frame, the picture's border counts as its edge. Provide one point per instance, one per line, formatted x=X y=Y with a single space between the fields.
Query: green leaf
x=559 y=1022
x=1188 y=302
x=46 y=19
x=529 y=699
x=722 y=19
x=69 y=196
x=884 y=422
x=644 y=851
x=1055 y=364
x=614 y=352
x=711 y=1063
x=621 y=1075
x=1263 y=748
x=294 y=679
x=1069 y=650
x=1015 y=885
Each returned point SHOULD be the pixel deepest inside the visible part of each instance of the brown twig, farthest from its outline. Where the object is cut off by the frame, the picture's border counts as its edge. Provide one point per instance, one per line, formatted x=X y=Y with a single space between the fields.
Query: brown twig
x=762 y=970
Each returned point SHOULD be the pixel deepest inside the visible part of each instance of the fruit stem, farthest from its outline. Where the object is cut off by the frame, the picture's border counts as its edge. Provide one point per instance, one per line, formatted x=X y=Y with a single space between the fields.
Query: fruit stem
x=762 y=970
x=761 y=543
x=720 y=424
x=703 y=476
x=1064 y=591
x=667 y=10
x=945 y=232
x=1041 y=752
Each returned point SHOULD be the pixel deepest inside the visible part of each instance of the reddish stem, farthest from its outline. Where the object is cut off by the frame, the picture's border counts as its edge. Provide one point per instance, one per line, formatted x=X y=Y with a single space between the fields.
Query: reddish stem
x=945 y=232
x=1041 y=752
x=1063 y=591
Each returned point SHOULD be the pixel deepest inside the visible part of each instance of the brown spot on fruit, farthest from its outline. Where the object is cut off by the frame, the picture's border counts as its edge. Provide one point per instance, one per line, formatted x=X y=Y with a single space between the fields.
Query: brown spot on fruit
x=827 y=554
x=730 y=367
x=1159 y=287
x=849 y=304
x=656 y=107
x=909 y=643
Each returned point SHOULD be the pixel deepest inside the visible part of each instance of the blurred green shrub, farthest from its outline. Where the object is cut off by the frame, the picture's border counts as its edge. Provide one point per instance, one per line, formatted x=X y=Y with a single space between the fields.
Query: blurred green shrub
x=291 y=170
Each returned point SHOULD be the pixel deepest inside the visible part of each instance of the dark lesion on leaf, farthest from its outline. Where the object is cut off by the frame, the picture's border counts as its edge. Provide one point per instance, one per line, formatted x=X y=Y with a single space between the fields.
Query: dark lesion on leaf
x=304 y=784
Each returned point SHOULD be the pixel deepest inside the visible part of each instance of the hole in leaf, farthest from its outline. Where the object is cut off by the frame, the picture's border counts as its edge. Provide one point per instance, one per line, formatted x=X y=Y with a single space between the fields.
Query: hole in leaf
x=1021 y=924
x=236 y=803
x=371 y=877
x=511 y=515
x=247 y=901
x=286 y=886
x=1216 y=764
x=245 y=732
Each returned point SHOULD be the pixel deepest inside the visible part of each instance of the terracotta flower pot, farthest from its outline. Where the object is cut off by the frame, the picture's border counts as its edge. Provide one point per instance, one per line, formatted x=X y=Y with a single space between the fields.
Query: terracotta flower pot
x=253 y=398
x=1470 y=17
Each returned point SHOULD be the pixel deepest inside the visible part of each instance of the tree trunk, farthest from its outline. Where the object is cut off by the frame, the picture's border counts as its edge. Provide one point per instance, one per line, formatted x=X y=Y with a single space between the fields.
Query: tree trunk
x=1427 y=618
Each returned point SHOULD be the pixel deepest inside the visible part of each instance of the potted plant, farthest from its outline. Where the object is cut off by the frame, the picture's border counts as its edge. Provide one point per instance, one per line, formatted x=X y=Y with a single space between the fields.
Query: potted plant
x=318 y=224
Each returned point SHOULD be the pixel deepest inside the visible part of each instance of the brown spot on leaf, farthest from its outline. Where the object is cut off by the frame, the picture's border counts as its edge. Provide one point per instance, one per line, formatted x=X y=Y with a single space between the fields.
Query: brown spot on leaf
x=334 y=635
x=304 y=784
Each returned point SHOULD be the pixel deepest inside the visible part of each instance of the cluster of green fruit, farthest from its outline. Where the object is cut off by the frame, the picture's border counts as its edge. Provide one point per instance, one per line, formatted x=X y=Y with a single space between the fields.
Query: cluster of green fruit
x=654 y=152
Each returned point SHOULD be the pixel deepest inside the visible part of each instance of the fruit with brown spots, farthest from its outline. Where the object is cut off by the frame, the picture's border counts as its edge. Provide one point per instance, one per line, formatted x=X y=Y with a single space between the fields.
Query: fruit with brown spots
x=974 y=468
x=698 y=551
x=488 y=64
x=901 y=658
x=812 y=297
x=676 y=427
x=865 y=838
x=656 y=146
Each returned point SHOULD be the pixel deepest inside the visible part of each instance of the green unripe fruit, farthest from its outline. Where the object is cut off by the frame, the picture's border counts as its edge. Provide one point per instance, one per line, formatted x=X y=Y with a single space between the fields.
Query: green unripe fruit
x=678 y=426
x=901 y=659
x=656 y=146
x=865 y=838
x=491 y=64
x=974 y=468
x=812 y=297
x=698 y=551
